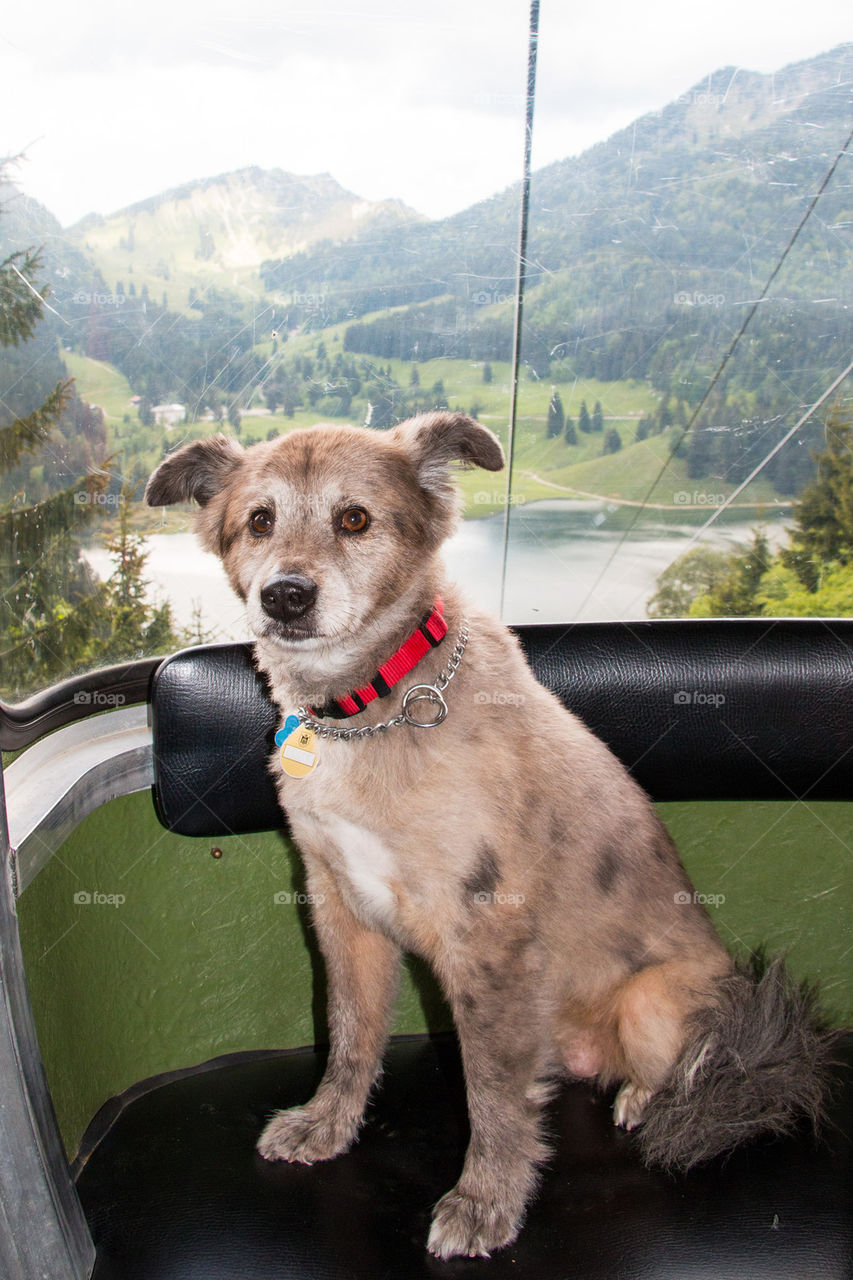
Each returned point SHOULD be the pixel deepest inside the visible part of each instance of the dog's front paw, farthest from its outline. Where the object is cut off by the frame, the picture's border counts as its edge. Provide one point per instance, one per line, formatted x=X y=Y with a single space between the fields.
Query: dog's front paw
x=304 y=1136
x=630 y=1105
x=471 y=1228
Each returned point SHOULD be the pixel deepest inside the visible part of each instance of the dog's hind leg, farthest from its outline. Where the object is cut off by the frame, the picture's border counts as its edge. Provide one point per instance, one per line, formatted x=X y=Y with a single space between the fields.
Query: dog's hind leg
x=653 y=1010
x=362 y=969
x=503 y=1026
x=755 y=1058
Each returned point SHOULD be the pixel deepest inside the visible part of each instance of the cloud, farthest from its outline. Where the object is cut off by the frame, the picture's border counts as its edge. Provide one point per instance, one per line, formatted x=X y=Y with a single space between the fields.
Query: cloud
x=115 y=104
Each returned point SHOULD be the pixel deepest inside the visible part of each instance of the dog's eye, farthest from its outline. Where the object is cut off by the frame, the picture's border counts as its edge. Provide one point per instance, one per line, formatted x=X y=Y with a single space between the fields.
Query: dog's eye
x=260 y=523
x=355 y=520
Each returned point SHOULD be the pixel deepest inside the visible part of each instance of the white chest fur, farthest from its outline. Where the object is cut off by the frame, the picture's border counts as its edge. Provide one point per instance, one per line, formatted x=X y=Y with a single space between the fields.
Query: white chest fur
x=369 y=868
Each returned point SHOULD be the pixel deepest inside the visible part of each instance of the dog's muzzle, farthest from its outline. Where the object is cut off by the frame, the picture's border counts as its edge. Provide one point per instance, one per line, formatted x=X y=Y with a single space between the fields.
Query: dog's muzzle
x=288 y=596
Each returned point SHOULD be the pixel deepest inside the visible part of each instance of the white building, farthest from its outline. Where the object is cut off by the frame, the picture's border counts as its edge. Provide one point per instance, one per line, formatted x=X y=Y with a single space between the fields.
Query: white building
x=168 y=415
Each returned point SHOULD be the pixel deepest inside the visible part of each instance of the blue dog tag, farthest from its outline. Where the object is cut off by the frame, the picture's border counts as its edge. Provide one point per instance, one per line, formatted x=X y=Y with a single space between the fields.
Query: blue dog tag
x=291 y=723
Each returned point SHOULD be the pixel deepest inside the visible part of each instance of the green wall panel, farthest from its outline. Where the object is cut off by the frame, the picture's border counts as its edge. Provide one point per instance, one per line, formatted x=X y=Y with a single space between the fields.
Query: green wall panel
x=145 y=953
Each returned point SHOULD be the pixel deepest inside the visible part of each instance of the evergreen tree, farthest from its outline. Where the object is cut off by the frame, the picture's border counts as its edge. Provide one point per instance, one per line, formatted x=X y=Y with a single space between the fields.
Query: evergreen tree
x=612 y=441
x=556 y=416
x=46 y=592
x=813 y=577
x=487 y=372
x=584 y=420
x=664 y=414
x=700 y=453
x=55 y=617
x=823 y=517
x=414 y=377
x=134 y=629
x=569 y=434
x=598 y=418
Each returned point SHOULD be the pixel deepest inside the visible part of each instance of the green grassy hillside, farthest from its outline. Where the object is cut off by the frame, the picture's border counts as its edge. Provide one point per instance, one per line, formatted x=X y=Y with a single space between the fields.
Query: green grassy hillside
x=100 y=384
x=543 y=468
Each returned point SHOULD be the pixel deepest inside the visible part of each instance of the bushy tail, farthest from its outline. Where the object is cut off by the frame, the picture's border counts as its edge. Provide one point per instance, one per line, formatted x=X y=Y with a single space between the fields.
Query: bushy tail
x=758 y=1061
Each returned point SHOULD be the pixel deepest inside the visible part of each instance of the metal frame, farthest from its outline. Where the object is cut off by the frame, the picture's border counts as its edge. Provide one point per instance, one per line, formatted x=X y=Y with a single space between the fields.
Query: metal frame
x=56 y=783
x=78 y=698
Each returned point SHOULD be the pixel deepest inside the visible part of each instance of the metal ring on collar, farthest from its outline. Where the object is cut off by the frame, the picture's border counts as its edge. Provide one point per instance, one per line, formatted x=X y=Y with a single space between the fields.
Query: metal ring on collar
x=424 y=693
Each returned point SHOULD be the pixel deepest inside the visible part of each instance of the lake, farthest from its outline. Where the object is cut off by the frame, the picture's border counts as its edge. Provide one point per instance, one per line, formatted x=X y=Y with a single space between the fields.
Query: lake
x=567 y=561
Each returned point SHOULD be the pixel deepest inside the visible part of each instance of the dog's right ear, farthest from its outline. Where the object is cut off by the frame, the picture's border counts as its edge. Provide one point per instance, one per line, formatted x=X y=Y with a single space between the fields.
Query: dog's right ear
x=197 y=471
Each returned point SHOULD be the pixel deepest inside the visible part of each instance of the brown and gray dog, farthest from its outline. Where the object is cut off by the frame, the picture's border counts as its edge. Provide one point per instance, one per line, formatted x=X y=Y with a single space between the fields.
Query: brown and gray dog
x=544 y=891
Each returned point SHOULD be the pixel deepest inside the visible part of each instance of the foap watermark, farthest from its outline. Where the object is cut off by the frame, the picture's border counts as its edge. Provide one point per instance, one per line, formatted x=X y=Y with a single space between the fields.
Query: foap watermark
x=684 y=498
x=83 y=898
x=83 y=498
x=696 y=299
x=498 y=698
x=85 y=299
x=495 y=899
x=85 y=698
x=498 y=499
x=489 y=297
x=685 y=899
x=285 y=899
x=512 y=101
x=701 y=98
x=315 y=300
x=698 y=698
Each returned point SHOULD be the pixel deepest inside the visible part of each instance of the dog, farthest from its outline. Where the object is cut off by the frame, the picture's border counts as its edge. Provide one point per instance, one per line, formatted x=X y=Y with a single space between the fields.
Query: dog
x=544 y=892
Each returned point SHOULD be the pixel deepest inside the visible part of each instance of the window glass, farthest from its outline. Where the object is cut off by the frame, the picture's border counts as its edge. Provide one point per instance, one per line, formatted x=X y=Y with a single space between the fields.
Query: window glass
x=252 y=221
x=689 y=301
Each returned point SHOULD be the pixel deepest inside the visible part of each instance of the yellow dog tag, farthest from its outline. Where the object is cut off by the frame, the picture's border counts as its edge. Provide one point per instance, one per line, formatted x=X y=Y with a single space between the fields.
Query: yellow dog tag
x=297 y=755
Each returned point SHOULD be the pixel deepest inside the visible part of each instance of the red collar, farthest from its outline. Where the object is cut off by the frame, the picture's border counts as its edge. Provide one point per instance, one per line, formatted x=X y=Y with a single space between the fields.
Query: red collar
x=429 y=633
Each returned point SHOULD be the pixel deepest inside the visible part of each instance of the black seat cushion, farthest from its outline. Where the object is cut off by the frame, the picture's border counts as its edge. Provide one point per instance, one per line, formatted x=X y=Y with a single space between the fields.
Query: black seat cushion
x=173 y=1188
x=733 y=709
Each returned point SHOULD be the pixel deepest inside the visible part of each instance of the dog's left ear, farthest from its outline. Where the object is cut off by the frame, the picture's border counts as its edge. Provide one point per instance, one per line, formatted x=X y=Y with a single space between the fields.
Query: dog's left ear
x=434 y=440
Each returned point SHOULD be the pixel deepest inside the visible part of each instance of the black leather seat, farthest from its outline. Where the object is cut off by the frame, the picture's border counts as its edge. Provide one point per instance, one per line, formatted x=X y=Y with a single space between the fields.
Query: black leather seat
x=175 y=1189
x=168 y=1175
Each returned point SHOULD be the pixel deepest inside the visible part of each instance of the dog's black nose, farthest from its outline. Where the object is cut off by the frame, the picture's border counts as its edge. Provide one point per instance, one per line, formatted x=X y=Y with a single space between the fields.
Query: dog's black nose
x=287 y=596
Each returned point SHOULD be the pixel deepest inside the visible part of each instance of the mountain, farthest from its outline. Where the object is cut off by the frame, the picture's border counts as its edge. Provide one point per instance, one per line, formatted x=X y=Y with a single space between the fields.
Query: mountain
x=646 y=254
x=30 y=371
x=645 y=257
x=700 y=197
x=218 y=230
x=24 y=223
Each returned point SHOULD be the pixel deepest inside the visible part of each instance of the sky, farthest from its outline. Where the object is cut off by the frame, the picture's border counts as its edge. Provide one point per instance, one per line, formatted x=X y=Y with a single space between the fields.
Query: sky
x=423 y=103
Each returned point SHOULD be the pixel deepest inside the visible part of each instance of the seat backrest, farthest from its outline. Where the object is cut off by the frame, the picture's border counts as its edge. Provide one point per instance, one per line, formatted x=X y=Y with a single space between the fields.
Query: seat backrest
x=696 y=710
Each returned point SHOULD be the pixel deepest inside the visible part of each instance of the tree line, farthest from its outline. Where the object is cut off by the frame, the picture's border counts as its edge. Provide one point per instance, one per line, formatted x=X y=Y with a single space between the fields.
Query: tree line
x=810 y=576
x=56 y=617
x=559 y=424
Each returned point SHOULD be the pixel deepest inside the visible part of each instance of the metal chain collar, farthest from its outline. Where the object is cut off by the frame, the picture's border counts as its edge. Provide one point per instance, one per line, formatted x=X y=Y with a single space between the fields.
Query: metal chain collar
x=431 y=693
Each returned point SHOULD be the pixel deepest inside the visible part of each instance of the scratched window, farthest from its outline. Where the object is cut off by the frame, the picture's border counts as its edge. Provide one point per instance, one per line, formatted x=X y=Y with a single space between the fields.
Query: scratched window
x=255 y=221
